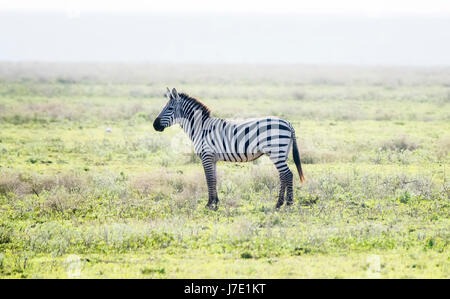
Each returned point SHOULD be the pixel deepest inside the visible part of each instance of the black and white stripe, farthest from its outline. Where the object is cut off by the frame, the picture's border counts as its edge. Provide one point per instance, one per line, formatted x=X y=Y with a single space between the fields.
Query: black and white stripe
x=217 y=139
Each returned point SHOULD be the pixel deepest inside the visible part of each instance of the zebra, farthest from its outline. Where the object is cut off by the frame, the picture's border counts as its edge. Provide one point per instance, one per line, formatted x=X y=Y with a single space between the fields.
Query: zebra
x=217 y=139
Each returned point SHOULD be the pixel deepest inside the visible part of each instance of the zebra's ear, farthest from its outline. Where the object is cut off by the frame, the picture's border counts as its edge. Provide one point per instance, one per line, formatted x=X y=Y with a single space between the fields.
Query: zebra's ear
x=168 y=94
x=174 y=93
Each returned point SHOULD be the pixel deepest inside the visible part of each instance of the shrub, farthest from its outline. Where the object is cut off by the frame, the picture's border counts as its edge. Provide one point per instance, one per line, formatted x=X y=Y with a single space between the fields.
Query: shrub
x=399 y=143
x=264 y=178
x=443 y=148
x=61 y=201
x=246 y=255
x=11 y=183
x=5 y=234
x=153 y=270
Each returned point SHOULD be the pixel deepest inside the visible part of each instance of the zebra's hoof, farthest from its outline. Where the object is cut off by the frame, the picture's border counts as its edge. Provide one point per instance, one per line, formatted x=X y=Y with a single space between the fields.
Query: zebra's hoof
x=289 y=203
x=212 y=207
x=278 y=205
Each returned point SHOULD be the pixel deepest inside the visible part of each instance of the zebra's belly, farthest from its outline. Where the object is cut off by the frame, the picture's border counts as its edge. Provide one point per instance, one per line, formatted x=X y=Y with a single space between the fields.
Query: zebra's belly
x=233 y=157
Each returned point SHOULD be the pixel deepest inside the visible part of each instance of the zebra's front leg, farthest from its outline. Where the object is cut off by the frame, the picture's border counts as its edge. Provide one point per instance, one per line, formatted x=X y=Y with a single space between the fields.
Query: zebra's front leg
x=209 y=165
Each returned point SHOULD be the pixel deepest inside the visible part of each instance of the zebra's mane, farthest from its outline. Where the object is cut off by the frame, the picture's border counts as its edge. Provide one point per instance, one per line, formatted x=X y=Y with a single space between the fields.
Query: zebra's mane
x=199 y=104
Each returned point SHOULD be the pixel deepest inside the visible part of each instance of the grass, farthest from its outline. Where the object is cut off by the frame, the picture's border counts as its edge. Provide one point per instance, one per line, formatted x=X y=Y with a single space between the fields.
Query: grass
x=77 y=200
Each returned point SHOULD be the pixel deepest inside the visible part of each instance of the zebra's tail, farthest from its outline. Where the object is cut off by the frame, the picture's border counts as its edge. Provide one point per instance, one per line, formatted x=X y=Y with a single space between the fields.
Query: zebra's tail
x=296 y=156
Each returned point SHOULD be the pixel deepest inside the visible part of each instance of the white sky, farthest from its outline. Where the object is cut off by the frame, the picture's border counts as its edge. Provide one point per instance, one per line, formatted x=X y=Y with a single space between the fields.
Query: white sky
x=367 y=32
x=369 y=7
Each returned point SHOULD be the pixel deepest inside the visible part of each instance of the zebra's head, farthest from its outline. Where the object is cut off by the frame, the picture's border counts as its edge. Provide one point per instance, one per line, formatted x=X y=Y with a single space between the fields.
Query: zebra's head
x=167 y=116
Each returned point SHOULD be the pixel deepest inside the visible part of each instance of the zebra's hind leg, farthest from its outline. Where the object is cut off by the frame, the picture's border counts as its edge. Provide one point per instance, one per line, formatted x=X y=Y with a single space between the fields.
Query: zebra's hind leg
x=281 y=193
x=209 y=165
x=289 y=188
x=285 y=183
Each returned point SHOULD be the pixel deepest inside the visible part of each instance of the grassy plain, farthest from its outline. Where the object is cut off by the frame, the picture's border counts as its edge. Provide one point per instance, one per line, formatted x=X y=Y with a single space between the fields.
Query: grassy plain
x=78 y=201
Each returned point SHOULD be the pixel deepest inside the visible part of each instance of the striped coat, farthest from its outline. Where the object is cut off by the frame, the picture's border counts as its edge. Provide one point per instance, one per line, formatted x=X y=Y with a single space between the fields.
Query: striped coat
x=217 y=139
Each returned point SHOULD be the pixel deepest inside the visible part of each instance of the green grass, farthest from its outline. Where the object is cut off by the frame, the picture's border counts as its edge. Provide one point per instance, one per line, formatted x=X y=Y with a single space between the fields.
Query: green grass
x=77 y=201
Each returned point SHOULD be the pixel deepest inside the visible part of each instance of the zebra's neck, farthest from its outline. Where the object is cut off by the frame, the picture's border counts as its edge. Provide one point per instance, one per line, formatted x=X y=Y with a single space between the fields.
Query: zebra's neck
x=192 y=116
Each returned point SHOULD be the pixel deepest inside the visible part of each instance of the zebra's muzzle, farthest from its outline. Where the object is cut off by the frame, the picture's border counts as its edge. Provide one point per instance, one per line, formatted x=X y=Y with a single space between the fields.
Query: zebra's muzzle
x=157 y=125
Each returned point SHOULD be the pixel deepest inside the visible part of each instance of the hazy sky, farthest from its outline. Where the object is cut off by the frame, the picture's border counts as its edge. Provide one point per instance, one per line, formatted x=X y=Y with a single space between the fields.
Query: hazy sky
x=377 y=32
x=239 y=6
